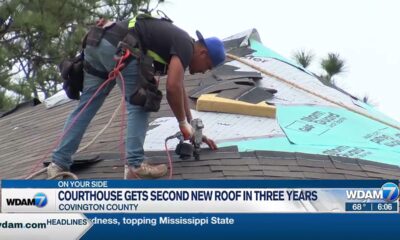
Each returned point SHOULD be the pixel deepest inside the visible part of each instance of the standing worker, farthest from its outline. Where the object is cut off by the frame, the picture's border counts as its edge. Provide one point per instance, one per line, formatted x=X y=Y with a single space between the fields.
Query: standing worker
x=171 y=50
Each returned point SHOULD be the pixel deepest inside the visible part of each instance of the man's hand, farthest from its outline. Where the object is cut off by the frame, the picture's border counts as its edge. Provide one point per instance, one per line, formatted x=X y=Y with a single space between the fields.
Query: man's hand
x=186 y=130
x=211 y=144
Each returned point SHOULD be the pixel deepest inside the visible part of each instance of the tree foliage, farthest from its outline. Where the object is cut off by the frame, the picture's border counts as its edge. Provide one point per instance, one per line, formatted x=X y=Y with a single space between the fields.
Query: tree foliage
x=333 y=65
x=35 y=35
x=303 y=57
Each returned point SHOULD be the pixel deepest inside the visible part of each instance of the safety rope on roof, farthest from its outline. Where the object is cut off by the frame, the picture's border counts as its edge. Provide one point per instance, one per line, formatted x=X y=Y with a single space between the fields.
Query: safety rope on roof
x=69 y=174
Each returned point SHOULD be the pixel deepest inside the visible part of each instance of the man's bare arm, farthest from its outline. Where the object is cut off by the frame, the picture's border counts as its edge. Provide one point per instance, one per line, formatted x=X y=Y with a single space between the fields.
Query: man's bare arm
x=186 y=105
x=175 y=95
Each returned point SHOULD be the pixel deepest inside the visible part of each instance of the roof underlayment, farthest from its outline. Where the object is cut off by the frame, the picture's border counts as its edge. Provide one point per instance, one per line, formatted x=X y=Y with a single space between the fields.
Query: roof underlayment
x=307 y=137
x=304 y=122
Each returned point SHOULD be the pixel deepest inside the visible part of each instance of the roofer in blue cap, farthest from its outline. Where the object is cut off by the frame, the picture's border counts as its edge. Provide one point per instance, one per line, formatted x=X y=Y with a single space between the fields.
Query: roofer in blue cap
x=173 y=51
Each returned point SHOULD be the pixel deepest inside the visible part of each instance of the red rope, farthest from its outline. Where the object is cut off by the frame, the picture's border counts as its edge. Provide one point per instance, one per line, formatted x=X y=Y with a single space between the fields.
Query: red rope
x=123 y=123
x=112 y=75
x=58 y=140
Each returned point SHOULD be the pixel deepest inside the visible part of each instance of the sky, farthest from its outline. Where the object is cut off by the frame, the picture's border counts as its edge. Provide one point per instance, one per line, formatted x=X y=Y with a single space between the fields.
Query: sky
x=364 y=32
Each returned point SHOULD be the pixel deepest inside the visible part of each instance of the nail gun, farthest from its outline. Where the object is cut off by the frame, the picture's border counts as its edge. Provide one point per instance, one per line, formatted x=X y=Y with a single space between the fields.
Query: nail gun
x=188 y=150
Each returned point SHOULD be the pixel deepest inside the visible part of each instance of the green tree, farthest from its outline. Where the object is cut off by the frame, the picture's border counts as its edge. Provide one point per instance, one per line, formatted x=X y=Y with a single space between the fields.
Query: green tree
x=303 y=57
x=42 y=33
x=332 y=65
x=6 y=102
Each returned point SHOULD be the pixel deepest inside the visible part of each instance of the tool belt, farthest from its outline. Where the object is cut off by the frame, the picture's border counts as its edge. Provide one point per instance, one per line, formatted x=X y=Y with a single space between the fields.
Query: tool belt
x=72 y=73
x=119 y=35
x=146 y=93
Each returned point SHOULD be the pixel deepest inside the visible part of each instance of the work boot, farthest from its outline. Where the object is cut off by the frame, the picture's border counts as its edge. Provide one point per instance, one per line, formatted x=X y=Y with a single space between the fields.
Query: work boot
x=53 y=169
x=146 y=171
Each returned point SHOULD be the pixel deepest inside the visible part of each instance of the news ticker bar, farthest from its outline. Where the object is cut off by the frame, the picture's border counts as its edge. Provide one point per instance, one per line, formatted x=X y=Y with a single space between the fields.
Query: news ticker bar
x=85 y=196
x=60 y=226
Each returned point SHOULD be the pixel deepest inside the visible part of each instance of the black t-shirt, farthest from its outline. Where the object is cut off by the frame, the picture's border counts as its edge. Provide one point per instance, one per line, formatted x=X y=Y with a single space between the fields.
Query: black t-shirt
x=165 y=39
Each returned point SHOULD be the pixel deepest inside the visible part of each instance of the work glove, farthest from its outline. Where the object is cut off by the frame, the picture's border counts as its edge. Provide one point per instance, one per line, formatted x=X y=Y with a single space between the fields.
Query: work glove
x=186 y=130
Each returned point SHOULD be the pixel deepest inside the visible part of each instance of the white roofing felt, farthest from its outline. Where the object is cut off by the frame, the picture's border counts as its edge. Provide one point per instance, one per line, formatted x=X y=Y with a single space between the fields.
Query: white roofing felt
x=231 y=128
x=286 y=94
x=218 y=126
x=228 y=127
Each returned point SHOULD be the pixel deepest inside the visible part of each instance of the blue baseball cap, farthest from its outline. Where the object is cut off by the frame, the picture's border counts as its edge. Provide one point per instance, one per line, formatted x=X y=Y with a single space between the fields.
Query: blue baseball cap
x=215 y=48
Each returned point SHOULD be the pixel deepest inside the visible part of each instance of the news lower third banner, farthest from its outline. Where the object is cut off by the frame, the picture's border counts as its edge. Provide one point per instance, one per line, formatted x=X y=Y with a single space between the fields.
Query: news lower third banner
x=77 y=208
